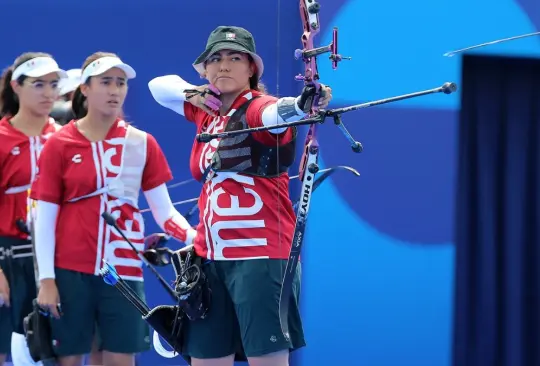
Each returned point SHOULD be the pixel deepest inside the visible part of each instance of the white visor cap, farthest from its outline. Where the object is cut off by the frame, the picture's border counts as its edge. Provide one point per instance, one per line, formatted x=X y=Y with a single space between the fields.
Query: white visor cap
x=70 y=83
x=38 y=66
x=104 y=64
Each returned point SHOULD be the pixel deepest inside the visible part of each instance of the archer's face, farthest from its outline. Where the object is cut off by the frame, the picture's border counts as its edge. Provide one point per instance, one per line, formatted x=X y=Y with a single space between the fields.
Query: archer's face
x=107 y=92
x=38 y=94
x=229 y=71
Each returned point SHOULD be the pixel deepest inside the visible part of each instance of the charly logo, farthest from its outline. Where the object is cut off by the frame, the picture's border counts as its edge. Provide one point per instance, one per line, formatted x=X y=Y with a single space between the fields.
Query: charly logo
x=77 y=158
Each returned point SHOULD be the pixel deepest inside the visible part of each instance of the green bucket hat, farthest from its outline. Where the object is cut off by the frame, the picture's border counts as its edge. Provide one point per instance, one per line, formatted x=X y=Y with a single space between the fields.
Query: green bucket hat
x=229 y=38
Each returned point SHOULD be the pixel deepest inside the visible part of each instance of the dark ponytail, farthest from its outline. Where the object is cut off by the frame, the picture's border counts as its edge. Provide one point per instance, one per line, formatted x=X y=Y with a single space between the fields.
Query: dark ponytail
x=78 y=103
x=9 y=103
x=255 y=84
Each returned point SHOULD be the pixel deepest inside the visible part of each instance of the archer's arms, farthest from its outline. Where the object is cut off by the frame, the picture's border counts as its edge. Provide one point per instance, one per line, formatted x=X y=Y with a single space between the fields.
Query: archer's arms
x=169 y=91
x=167 y=217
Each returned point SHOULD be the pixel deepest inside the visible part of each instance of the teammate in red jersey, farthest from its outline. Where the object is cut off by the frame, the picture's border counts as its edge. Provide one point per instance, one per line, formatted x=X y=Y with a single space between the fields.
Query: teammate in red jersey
x=28 y=90
x=246 y=216
x=98 y=163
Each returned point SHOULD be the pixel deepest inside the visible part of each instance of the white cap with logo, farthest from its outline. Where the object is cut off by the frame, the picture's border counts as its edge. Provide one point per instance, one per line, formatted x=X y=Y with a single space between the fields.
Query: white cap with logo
x=104 y=64
x=38 y=66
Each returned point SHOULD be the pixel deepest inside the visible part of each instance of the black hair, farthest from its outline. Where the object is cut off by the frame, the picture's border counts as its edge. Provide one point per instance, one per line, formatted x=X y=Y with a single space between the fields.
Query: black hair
x=254 y=82
x=9 y=102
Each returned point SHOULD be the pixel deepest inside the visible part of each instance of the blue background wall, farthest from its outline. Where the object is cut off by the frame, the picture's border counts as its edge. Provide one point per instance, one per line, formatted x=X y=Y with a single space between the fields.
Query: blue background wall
x=387 y=300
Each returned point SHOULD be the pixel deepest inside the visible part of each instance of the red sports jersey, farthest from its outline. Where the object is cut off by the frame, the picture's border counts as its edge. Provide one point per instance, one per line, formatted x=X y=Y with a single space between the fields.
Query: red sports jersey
x=18 y=166
x=79 y=175
x=241 y=216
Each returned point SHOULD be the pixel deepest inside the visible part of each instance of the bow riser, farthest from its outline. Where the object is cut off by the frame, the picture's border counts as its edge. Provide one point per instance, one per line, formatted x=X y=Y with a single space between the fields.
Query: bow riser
x=309 y=11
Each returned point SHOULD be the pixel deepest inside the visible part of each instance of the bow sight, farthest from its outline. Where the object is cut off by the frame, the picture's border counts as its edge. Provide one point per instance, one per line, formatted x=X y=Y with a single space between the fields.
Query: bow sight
x=335 y=57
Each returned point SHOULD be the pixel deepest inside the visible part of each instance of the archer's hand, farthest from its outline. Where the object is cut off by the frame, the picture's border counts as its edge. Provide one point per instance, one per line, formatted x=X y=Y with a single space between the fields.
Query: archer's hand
x=156 y=240
x=4 y=290
x=48 y=298
x=205 y=97
x=326 y=96
x=308 y=92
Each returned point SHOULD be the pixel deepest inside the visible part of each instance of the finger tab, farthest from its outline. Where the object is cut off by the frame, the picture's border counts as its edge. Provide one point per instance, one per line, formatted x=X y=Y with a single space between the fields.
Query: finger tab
x=213 y=89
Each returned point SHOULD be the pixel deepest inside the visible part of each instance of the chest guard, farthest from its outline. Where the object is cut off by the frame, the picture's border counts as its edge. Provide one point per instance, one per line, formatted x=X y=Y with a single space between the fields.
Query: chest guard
x=244 y=154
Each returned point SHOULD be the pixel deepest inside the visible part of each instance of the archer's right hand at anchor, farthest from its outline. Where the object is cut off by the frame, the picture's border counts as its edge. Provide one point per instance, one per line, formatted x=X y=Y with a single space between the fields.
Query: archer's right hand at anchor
x=205 y=97
x=305 y=100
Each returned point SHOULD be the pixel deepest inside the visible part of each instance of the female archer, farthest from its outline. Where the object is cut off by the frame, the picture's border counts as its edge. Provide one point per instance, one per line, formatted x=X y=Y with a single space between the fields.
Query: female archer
x=98 y=163
x=28 y=91
x=246 y=217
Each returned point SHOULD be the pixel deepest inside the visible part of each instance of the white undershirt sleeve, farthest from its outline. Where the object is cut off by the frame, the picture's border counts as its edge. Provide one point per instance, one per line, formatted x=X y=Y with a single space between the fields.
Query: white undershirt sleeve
x=169 y=91
x=45 y=237
x=284 y=110
x=162 y=209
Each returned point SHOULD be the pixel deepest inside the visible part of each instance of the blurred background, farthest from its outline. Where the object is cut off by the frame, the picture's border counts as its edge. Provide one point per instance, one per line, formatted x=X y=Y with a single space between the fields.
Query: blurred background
x=379 y=260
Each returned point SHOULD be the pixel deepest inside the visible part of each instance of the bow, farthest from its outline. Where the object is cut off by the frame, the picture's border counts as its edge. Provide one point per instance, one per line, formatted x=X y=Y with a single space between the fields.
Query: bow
x=309 y=12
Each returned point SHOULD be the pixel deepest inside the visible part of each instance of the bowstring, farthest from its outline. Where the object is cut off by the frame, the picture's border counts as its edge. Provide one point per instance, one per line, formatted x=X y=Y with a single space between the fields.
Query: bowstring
x=278 y=201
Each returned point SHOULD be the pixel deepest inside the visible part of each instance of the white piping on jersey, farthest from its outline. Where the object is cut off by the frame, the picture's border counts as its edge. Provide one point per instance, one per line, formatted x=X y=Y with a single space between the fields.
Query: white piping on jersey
x=100 y=243
x=34 y=150
x=96 y=165
x=208 y=221
x=101 y=159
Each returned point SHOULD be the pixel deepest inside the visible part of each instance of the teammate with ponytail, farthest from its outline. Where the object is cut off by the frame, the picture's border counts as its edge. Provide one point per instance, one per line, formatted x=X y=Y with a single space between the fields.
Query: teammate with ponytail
x=28 y=90
x=98 y=163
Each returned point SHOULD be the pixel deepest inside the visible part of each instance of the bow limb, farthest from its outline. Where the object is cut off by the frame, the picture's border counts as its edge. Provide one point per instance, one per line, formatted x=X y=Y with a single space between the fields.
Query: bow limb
x=326 y=173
